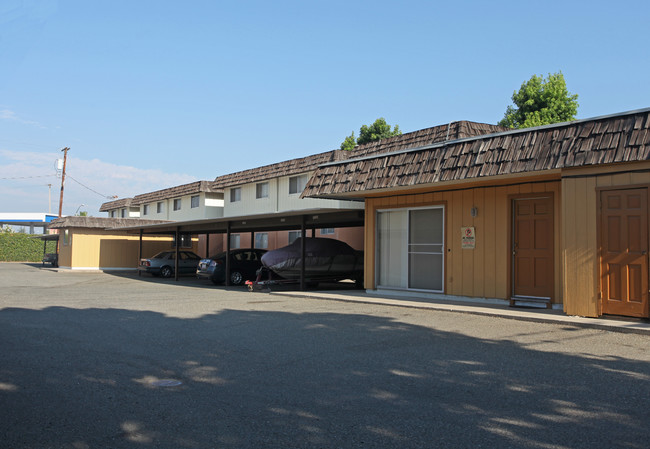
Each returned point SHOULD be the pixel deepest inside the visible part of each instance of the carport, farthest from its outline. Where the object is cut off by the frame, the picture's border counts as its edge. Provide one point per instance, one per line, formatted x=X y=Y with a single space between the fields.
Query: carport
x=287 y=221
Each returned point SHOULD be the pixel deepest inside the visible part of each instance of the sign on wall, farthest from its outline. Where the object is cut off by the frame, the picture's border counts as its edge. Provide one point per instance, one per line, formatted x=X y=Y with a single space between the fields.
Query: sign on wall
x=468 y=237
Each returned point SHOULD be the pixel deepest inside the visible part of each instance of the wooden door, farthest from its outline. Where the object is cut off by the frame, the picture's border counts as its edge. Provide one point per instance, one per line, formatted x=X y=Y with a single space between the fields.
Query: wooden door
x=624 y=248
x=532 y=248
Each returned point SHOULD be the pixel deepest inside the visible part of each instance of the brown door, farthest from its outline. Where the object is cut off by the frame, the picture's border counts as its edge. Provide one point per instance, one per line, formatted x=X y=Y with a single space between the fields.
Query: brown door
x=624 y=248
x=532 y=248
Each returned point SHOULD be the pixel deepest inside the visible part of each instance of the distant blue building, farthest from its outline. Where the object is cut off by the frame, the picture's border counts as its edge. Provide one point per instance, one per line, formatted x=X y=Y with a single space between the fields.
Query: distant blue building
x=25 y=219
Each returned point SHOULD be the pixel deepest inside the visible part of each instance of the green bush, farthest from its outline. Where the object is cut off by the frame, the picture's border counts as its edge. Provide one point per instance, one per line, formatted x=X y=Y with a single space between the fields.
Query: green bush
x=20 y=247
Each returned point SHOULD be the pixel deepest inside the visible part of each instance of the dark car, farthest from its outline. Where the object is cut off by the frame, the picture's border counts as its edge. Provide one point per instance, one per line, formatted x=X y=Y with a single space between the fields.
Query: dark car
x=162 y=264
x=51 y=258
x=244 y=264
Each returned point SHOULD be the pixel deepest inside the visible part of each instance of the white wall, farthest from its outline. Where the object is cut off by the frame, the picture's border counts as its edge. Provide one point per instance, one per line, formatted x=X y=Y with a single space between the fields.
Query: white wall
x=210 y=206
x=279 y=200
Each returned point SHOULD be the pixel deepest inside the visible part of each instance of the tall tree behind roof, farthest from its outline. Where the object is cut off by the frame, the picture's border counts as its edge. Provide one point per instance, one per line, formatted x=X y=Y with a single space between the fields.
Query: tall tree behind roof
x=541 y=102
x=377 y=131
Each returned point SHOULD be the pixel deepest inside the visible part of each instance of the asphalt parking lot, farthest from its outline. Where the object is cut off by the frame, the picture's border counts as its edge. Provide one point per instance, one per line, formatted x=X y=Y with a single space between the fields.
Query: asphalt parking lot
x=91 y=360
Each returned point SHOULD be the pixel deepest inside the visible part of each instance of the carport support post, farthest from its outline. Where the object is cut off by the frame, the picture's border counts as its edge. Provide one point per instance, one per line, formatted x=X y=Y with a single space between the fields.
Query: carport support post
x=207 y=245
x=178 y=252
x=227 y=280
x=252 y=239
x=140 y=253
x=303 y=252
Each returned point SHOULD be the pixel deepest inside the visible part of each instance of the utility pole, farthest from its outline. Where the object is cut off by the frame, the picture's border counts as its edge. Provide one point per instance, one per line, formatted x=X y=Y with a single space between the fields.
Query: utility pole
x=65 y=156
x=49 y=198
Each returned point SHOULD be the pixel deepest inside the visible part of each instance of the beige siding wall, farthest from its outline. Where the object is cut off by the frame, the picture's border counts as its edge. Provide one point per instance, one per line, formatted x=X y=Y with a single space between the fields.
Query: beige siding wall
x=580 y=231
x=94 y=249
x=484 y=271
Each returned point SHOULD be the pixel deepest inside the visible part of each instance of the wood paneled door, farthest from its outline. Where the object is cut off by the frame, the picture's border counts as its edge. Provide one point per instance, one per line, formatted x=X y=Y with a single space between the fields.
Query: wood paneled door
x=624 y=252
x=532 y=248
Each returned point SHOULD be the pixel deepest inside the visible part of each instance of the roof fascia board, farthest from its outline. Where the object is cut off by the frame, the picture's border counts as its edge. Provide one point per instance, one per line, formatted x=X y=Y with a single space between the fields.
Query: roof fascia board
x=442 y=186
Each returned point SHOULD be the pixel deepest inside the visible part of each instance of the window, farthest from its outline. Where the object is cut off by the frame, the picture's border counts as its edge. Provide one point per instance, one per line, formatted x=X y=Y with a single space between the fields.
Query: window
x=186 y=241
x=293 y=236
x=123 y=213
x=194 y=201
x=297 y=184
x=234 y=241
x=262 y=240
x=159 y=207
x=262 y=190
x=113 y=213
x=66 y=237
x=410 y=248
x=327 y=231
x=235 y=194
x=177 y=204
x=145 y=209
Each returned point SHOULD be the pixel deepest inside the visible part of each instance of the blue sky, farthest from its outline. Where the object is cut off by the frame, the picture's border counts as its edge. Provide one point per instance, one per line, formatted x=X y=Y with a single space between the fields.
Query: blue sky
x=152 y=94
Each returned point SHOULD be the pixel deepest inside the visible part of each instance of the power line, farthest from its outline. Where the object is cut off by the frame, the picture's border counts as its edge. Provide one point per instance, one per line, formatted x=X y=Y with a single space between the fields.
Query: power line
x=94 y=191
x=31 y=177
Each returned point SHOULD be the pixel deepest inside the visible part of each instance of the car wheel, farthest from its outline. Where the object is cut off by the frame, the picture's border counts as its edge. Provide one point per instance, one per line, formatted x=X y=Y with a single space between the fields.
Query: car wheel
x=236 y=278
x=166 y=272
x=216 y=281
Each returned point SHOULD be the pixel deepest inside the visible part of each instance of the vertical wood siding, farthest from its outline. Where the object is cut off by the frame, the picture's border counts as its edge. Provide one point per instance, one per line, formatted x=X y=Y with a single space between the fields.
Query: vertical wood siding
x=482 y=272
x=580 y=255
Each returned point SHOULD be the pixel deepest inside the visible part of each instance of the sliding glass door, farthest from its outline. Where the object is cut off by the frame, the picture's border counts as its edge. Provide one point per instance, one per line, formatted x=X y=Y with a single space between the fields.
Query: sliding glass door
x=410 y=248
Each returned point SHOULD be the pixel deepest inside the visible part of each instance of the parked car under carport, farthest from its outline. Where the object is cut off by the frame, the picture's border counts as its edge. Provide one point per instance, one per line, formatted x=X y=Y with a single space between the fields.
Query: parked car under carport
x=162 y=264
x=244 y=264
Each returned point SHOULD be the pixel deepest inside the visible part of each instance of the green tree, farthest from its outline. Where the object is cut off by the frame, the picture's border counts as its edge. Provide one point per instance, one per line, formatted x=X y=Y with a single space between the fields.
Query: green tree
x=349 y=143
x=541 y=102
x=377 y=131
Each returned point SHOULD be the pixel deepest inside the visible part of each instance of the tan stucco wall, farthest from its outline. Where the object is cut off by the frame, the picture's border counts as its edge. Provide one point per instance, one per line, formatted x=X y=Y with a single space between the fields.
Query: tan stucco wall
x=105 y=250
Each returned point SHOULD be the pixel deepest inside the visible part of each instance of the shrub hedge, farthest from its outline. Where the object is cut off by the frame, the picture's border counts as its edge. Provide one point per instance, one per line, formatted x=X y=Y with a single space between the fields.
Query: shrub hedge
x=19 y=247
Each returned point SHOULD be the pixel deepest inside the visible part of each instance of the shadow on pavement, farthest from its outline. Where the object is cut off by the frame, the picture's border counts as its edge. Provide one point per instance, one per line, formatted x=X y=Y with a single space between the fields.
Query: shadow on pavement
x=85 y=378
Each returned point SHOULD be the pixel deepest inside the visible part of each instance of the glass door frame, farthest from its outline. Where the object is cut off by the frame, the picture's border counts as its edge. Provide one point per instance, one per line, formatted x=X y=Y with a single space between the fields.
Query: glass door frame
x=406 y=247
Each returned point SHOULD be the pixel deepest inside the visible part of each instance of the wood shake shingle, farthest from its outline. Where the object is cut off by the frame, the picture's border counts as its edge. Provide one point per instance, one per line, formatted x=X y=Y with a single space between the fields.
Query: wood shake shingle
x=603 y=140
x=174 y=192
x=100 y=222
x=453 y=131
x=116 y=204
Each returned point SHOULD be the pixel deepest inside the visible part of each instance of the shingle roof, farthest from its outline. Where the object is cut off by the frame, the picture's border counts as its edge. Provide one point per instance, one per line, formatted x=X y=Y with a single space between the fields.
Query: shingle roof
x=100 y=222
x=175 y=192
x=117 y=204
x=427 y=136
x=454 y=130
x=622 y=137
x=285 y=168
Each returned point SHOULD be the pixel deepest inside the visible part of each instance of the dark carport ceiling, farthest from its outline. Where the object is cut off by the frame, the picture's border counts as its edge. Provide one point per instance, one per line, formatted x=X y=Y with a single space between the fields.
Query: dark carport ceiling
x=314 y=218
